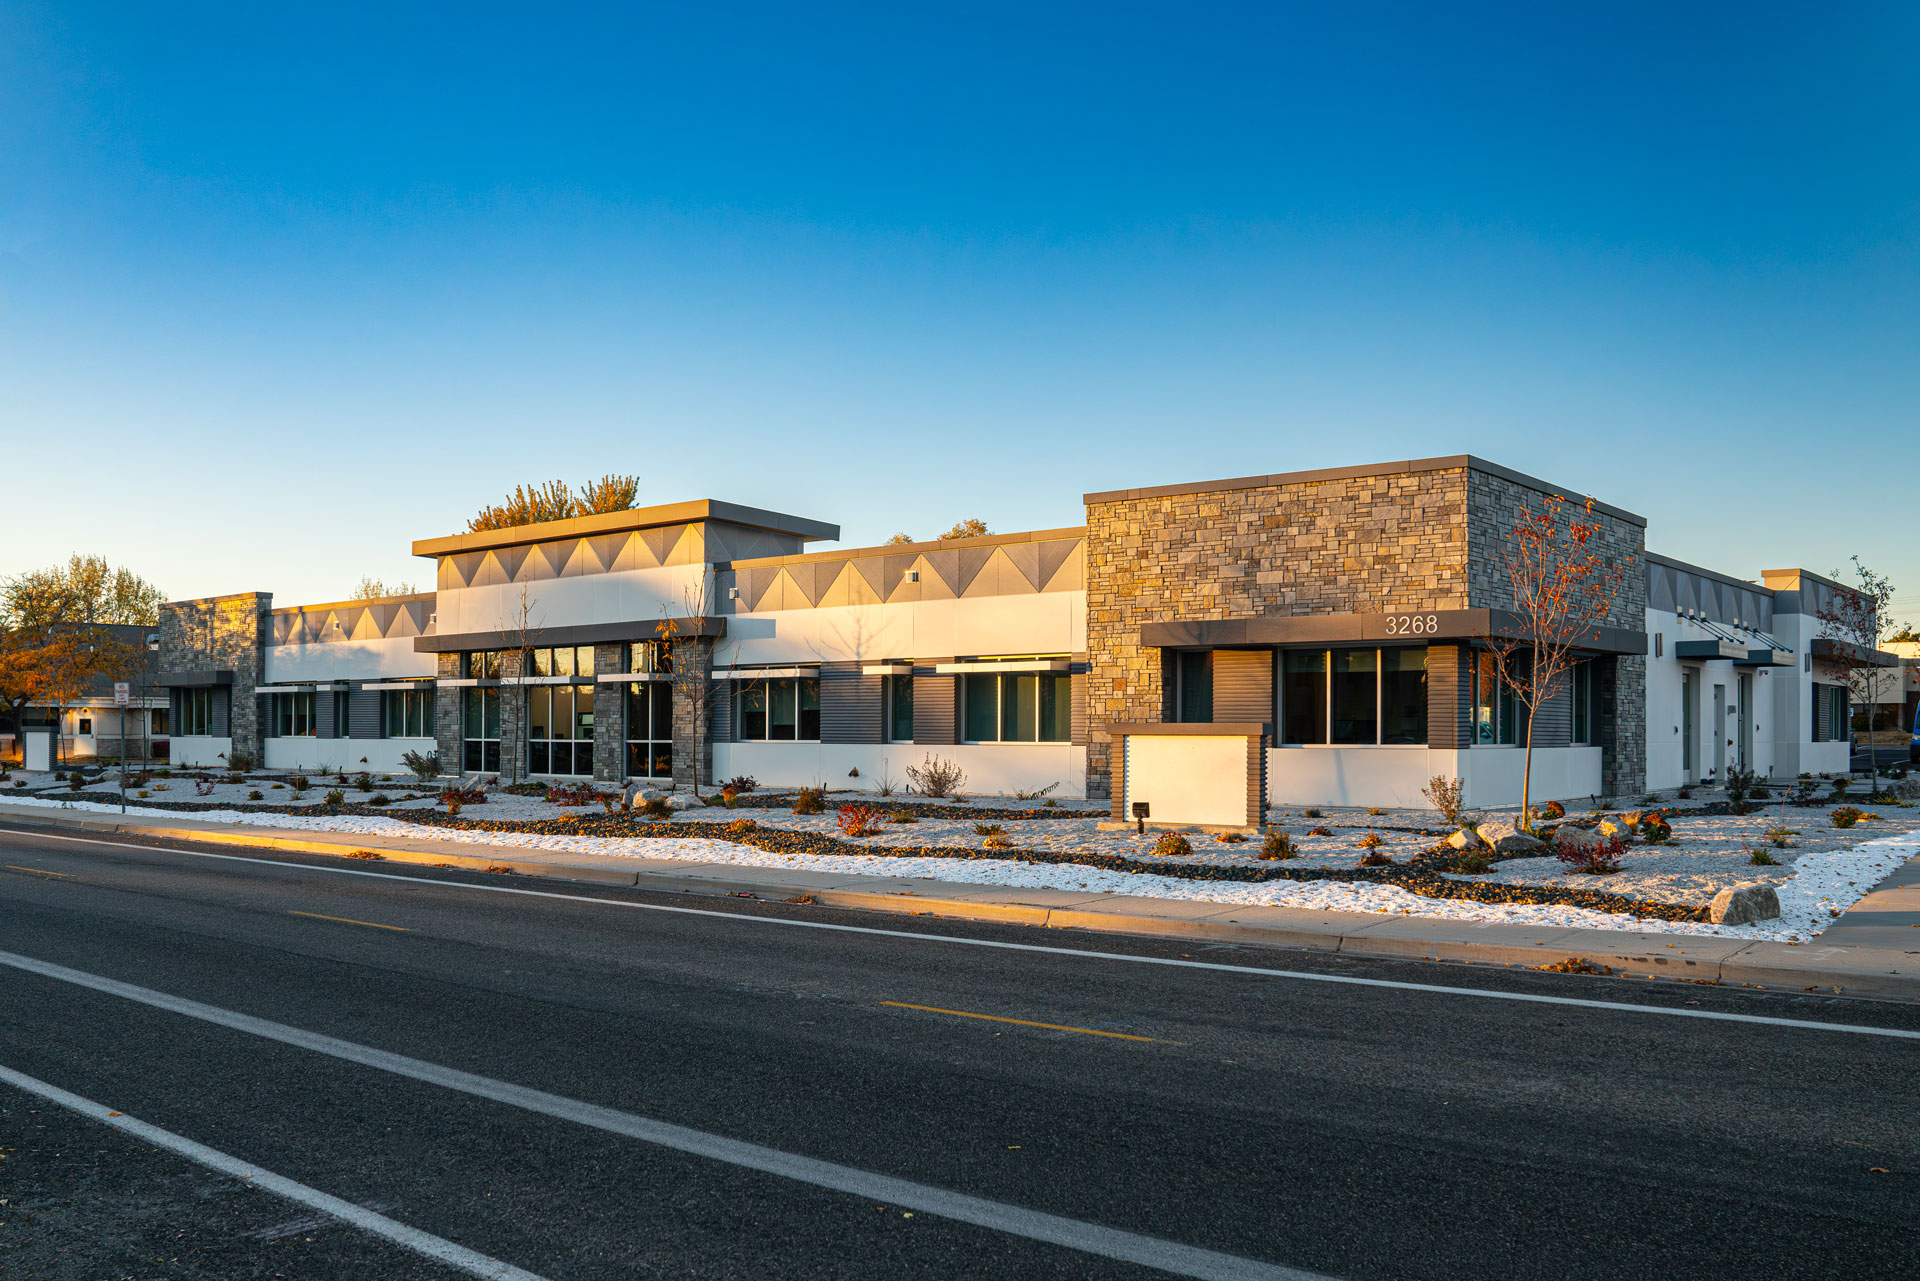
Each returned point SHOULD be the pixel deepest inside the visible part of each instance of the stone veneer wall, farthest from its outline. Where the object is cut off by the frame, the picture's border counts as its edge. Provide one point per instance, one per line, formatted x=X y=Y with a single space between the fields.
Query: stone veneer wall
x=609 y=716
x=223 y=633
x=693 y=659
x=1621 y=691
x=1362 y=544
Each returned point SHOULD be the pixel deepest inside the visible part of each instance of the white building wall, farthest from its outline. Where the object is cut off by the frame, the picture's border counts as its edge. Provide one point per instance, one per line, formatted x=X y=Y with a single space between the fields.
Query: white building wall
x=992 y=769
x=644 y=595
x=1043 y=623
x=1392 y=777
x=329 y=755
x=199 y=751
x=362 y=660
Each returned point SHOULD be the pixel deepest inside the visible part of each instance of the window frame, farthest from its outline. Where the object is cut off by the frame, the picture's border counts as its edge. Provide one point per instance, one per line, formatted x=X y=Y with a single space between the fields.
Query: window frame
x=647 y=747
x=1326 y=697
x=1005 y=699
x=772 y=691
x=572 y=740
x=416 y=710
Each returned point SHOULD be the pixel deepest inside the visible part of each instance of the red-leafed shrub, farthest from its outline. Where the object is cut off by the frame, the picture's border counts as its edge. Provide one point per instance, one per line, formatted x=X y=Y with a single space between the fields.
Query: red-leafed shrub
x=860 y=820
x=1596 y=859
x=581 y=794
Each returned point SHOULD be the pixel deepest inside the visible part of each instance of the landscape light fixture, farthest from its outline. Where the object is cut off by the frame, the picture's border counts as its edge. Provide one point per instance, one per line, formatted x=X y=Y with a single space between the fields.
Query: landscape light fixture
x=1140 y=812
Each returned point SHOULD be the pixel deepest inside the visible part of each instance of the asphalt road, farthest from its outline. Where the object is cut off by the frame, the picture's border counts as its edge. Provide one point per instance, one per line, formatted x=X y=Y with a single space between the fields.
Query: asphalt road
x=1214 y=1122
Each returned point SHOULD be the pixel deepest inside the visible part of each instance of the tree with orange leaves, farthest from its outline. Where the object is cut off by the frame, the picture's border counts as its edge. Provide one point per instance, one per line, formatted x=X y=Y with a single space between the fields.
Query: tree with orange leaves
x=1564 y=587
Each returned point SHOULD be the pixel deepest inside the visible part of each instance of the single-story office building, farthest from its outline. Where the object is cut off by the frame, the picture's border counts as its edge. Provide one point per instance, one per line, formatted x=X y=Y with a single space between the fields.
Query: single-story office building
x=1206 y=649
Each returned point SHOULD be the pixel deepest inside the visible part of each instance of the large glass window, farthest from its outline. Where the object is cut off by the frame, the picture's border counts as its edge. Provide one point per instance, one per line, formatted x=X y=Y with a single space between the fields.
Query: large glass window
x=196 y=712
x=1303 y=696
x=292 y=716
x=899 y=709
x=560 y=728
x=650 y=729
x=576 y=660
x=1496 y=712
x=342 y=714
x=1581 y=691
x=653 y=657
x=1356 y=696
x=1017 y=707
x=406 y=713
x=480 y=728
x=782 y=709
x=1403 y=696
x=482 y=664
x=1196 y=687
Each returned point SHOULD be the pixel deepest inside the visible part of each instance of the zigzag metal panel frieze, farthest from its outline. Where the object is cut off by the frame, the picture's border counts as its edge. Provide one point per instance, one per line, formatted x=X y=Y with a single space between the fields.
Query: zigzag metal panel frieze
x=1008 y=569
x=391 y=620
x=571 y=557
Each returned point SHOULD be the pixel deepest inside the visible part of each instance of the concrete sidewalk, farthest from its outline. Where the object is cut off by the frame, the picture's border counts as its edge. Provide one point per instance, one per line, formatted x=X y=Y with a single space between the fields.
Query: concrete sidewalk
x=1865 y=953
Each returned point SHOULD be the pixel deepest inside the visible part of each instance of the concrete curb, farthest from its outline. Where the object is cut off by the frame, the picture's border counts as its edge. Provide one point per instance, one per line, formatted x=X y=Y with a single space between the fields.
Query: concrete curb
x=1855 y=971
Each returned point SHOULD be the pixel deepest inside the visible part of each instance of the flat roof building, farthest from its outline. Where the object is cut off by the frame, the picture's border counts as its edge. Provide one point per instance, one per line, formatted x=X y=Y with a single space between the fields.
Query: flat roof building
x=1201 y=649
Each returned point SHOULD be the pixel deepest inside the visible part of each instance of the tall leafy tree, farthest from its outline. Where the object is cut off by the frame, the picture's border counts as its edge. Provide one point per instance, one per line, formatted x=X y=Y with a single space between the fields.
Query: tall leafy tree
x=1853 y=618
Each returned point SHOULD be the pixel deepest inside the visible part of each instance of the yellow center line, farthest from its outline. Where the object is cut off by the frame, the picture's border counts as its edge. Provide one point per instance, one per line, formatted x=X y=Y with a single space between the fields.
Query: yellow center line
x=996 y=1018
x=12 y=867
x=348 y=920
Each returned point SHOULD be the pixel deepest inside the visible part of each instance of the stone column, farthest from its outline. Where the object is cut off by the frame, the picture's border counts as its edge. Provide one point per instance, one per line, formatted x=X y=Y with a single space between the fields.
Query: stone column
x=609 y=716
x=449 y=713
x=692 y=706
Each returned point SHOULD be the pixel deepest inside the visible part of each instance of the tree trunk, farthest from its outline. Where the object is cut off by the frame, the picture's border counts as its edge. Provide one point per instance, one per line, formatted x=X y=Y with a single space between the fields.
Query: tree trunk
x=1526 y=781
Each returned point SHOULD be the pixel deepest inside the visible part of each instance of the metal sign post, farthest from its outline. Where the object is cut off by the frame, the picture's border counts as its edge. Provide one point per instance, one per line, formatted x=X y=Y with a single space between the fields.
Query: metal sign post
x=120 y=701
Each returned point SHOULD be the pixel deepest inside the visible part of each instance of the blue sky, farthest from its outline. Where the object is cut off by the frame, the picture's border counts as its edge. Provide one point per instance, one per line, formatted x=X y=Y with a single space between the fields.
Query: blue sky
x=325 y=280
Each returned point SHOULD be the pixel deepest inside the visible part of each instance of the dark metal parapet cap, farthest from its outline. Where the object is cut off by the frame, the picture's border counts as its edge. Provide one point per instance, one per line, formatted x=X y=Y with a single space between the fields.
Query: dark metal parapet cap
x=1412 y=627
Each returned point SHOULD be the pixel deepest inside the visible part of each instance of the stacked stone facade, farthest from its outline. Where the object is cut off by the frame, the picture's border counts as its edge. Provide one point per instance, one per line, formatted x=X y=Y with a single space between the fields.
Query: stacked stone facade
x=1355 y=544
x=223 y=633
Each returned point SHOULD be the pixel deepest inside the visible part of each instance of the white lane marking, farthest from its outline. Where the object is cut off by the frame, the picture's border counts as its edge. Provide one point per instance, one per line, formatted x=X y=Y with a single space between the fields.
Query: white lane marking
x=1088 y=1238
x=1305 y=976
x=436 y=1248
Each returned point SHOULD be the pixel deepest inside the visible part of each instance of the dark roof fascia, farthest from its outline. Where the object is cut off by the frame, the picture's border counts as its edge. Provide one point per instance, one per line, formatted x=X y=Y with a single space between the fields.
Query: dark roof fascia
x=1449 y=625
x=1450 y=462
x=687 y=513
x=582 y=634
x=193 y=679
x=1745 y=584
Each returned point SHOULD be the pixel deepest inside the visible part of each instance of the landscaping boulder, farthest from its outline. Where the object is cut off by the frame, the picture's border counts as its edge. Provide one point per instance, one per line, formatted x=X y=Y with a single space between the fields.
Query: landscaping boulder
x=1906 y=789
x=1509 y=840
x=683 y=801
x=1570 y=837
x=1623 y=830
x=1465 y=839
x=1744 y=904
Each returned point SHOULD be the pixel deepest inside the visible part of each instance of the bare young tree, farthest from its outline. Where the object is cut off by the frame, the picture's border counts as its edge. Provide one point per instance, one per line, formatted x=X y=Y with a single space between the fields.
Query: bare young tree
x=524 y=631
x=1564 y=587
x=1853 y=618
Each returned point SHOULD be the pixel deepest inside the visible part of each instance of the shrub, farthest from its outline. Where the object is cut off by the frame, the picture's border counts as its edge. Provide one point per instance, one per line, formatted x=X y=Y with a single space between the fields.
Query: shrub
x=1446 y=795
x=380 y=798
x=424 y=766
x=1473 y=861
x=740 y=785
x=1052 y=804
x=240 y=762
x=729 y=798
x=1655 y=829
x=1839 y=786
x=1230 y=838
x=739 y=826
x=158 y=787
x=336 y=797
x=459 y=796
x=936 y=776
x=299 y=782
x=1376 y=858
x=987 y=829
x=579 y=794
x=652 y=807
x=715 y=800
x=1371 y=841
x=1552 y=809
x=1035 y=794
x=1319 y=831
x=610 y=802
x=901 y=816
x=453 y=804
x=527 y=789
x=75 y=782
x=1780 y=836
x=809 y=800
x=1310 y=813
x=277 y=787
x=1760 y=858
x=997 y=841
x=256 y=795
x=1685 y=793
x=859 y=820
x=1846 y=816
x=1173 y=845
x=1278 y=845
x=1375 y=810
x=203 y=787
x=1593 y=860
x=363 y=782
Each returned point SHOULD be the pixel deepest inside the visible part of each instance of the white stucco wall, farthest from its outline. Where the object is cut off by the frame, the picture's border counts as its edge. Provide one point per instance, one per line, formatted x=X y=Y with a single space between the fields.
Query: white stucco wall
x=346 y=660
x=1780 y=711
x=1392 y=777
x=645 y=595
x=314 y=755
x=1044 y=623
x=993 y=769
x=198 y=750
x=1188 y=778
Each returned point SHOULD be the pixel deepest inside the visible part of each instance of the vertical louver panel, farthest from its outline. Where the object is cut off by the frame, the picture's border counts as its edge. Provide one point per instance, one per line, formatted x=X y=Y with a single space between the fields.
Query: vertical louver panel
x=1448 y=693
x=850 y=704
x=934 y=706
x=363 y=714
x=1243 y=685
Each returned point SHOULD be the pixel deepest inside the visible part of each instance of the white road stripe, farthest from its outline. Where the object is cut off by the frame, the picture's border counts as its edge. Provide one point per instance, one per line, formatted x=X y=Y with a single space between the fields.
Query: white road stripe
x=1306 y=976
x=1088 y=1238
x=425 y=1243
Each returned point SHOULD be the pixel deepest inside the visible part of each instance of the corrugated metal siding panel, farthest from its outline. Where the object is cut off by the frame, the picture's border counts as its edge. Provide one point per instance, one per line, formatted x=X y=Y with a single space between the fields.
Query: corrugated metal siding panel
x=935 y=707
x=1243 y=685
x=221 y=711
x=363 y=714
x=1553 y=727
x=323 y=705
x=1449 y=719
x=722 y=731
x=1077 y=732
x=850 y=704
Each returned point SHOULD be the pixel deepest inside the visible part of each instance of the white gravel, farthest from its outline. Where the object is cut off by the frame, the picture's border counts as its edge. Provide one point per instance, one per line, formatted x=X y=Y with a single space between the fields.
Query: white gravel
x=1824 y=882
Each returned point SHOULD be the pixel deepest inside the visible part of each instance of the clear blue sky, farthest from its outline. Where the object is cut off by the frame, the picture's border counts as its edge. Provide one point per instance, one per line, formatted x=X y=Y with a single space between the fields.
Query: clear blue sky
x=282 y=288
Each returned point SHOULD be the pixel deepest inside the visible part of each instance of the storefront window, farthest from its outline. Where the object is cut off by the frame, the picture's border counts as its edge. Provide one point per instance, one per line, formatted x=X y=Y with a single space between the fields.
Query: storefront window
x=1018 y=707
x=650 y=729
x=782 y=710
x=560 y=729
x=1496 y=717
x=899 y=709
x=480 y=730
x=1356 y=695
x=1403 y=696
x=1303 y=696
